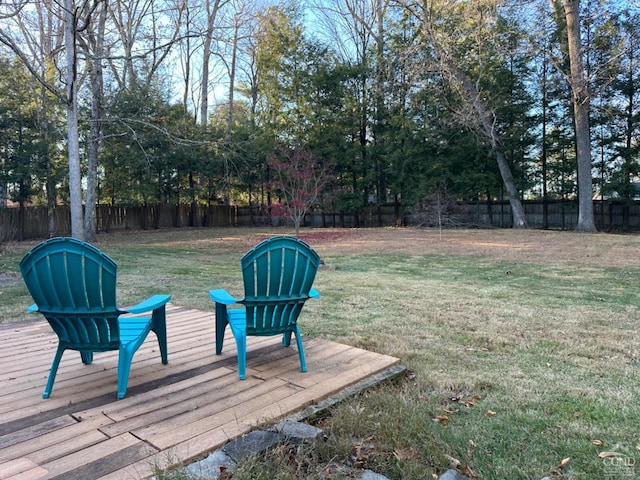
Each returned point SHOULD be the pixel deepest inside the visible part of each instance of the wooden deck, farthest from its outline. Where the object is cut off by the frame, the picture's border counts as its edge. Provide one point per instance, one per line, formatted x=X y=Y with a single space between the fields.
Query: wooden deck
x=172 y=413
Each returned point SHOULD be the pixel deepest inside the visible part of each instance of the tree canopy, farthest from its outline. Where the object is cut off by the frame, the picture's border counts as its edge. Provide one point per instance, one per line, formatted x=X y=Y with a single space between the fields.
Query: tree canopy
x=190 y=102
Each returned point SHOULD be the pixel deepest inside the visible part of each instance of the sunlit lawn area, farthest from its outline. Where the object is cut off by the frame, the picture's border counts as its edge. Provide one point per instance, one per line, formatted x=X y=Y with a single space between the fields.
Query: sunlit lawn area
x=522 y=346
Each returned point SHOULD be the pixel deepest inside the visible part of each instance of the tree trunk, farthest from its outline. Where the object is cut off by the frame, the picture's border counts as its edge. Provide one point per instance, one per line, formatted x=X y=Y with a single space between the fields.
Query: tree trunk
x=50 y=183
x=73 y=143
x=581 y=102
x=212 y=12
x=95 y=129
x=232 y=79
x=517 y=211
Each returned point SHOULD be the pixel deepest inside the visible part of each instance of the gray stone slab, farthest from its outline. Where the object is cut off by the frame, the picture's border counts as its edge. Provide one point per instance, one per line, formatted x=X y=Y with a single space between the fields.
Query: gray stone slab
x=296 y=432
x=252 y=443
x=212 y=466
x=371 y=475
x=452 y=475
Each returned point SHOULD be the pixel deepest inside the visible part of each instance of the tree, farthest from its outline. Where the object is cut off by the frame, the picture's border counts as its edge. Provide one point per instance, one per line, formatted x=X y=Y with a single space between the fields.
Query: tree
x=628 y=86
x=144 y=161
x=300 y=179
x=70 y=25
x=212 y=8
x=95 y=45
x=33 y=35
x=357 y=30
x=37 y=54
x=481 y=45
x=615 y=92
x=21 y=146
x=581 y=104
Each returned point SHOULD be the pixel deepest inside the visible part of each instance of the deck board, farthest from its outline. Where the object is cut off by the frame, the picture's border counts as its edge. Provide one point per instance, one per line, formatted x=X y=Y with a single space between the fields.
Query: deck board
x=172 y=413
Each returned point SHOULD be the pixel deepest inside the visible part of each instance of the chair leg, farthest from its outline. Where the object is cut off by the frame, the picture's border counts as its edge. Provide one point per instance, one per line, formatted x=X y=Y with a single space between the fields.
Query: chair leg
x=241 y=345
x=159 y=319
x=87 y=357
x=303 y=363
x=125 y=357
x=222 y=320
x=286 y=339
x=53 y=371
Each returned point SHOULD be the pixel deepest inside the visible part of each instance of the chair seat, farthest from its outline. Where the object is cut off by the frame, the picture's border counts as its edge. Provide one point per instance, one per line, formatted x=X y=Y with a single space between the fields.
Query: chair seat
x=237 y=319
x=132 y=328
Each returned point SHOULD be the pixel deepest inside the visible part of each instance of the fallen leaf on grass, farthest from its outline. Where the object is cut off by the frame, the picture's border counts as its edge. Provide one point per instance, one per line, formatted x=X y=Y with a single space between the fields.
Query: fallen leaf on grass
x=404 y=454
x=595 y=441
x=441 y=418
x=361 y=456
x=472 y=401
x=453 y=462
x=564 y=461
x=490 y=413
x=456 y=398
x=468 y=472
x=608 y=454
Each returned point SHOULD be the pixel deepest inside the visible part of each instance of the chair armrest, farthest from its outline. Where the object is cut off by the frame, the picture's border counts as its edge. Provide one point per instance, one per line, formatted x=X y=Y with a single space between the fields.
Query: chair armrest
x=33 y=308
x=313 y=293
x=223 y=297
x=151 y=303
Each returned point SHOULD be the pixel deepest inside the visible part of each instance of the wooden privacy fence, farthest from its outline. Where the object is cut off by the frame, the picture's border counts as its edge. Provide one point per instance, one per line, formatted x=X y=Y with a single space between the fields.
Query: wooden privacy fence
x=560 y=215
x=31 y=222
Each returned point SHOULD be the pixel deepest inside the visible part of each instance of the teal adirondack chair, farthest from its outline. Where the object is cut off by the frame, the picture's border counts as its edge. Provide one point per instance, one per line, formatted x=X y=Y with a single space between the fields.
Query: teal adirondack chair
x=73 y=285
x=278 y=274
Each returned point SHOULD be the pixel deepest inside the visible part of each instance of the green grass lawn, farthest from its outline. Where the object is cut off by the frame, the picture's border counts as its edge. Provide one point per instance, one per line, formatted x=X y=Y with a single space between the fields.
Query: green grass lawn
x=523 y=347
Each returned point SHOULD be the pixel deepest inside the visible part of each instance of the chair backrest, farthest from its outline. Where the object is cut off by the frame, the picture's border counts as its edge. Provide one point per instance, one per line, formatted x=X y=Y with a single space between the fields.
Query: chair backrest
x=278 y=275
x=74 y=286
